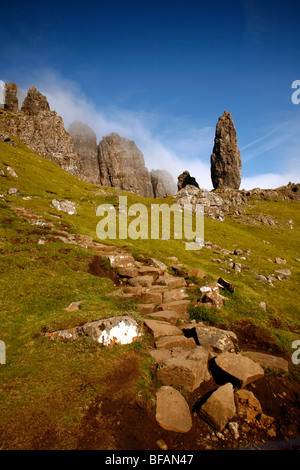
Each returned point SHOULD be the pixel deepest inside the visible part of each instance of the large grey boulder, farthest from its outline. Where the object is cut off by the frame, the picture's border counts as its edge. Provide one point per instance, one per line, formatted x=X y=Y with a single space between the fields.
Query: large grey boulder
x=115 y=330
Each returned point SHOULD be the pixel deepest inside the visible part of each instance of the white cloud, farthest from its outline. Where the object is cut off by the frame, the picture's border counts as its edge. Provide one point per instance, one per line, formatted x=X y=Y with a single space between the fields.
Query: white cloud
x=161 y=149
x=267 y=181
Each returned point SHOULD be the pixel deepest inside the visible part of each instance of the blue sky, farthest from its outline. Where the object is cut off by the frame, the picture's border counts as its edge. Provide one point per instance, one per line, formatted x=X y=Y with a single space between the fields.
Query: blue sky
x=162 y=73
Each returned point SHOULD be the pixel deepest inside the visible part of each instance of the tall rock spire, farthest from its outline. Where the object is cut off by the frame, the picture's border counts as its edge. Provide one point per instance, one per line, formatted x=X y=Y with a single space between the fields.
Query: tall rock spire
x=226 y=165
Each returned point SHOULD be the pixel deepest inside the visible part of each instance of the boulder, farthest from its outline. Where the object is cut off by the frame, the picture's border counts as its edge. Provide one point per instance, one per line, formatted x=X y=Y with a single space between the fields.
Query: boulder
x=226 y=166
x=214 y=340
x=66 y=206
x=184 y=368
x=121 y=261
x=196 y=273
x=13 y=192
x=172 y=411
x=115 y=330
x=240 y=369
x=227 y=285
x=219 y=408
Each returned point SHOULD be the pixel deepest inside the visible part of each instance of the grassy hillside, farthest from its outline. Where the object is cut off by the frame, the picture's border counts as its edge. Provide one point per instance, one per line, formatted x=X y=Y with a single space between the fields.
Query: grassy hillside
x=46 y=386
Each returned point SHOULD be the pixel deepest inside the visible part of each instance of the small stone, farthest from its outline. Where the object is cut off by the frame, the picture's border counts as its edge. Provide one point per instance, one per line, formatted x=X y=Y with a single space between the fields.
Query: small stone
x=227 y=285
x=233 y=428
x=280 y=260
x=11 y=172
x=161 y=444
x=196 y=273
x=13 y=192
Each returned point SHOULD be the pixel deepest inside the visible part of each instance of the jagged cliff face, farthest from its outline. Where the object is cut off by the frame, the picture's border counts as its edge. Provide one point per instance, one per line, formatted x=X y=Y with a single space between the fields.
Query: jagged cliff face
x=122 y=166
x=116 y=162
x=226 y=166
x=162 y=183
x=85 y=143
x=39 y=128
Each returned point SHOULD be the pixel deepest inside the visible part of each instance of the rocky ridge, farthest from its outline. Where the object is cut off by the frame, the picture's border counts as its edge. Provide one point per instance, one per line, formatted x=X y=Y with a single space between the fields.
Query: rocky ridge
x=116 y=161
x=41 y=129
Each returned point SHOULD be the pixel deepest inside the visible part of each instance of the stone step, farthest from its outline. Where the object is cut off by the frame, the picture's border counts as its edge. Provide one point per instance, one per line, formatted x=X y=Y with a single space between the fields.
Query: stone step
x=143 y=281
x=146 y=309
x=180 y=306
x=161 y=328
x=174 y=294
x=171 y=281
x=169 y=342
x=151 y=297
x=182 y=367
x=169 y=316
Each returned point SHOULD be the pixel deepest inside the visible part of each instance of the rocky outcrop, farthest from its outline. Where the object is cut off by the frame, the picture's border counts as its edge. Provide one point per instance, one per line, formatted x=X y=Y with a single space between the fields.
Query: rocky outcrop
x=11 y=100
x=162 y=183
x=40 y=129
x=122 y=166
x=226 y=163
x=34 y=103
x=186 y=179
x=85 y=143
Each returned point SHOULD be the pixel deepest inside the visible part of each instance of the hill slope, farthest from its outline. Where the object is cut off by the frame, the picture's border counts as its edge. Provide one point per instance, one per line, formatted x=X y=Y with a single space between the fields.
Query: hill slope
x=58 y=394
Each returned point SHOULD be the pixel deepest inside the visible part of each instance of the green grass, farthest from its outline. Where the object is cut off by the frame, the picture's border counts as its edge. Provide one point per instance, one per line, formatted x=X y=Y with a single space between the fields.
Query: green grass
x=46 y=385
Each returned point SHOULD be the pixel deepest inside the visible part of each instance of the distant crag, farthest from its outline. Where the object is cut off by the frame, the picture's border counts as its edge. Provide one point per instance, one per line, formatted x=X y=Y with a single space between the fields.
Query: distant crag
x=226 y=165
x=163 y=183
x=85 y=143
x=122 y=166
